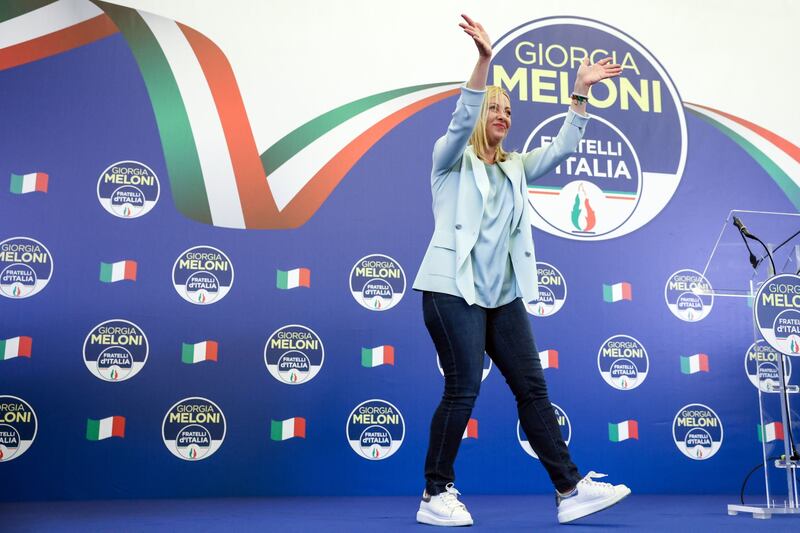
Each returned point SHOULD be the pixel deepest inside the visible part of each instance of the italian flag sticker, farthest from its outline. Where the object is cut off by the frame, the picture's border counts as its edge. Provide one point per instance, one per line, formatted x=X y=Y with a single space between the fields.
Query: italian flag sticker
x=629 y=429
x=380 y=355
x=119 y=271
x=113 y=426
x=202 y=351
x=15 y=347
x=25 y=183
x=291 y=279
x=287 y=429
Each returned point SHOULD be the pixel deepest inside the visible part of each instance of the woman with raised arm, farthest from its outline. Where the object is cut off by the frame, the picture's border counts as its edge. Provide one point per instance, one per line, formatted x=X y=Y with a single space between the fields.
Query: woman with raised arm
x=478 y=268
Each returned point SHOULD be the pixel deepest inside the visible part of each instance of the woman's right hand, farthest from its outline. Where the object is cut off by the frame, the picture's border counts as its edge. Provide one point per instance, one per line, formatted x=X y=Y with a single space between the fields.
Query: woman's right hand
x=479 y=36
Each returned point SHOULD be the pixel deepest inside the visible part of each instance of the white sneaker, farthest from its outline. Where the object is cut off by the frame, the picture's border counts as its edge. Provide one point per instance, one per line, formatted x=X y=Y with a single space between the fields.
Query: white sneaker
x=589 y=497
x=443 y=509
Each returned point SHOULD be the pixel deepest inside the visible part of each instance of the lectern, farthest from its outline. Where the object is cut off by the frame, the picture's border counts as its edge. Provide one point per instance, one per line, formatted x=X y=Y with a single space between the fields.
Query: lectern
x=757 y=257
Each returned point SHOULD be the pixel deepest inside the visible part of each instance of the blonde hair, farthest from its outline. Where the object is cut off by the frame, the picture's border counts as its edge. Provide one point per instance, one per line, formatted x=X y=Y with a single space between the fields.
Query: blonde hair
x=478 y=137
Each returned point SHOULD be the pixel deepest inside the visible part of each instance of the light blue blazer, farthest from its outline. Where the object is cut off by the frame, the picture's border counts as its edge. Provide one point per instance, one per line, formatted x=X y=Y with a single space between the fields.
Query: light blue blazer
x=460 y=186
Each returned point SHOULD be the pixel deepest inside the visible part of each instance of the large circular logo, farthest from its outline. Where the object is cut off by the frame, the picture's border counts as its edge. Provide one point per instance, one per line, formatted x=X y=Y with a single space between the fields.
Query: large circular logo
x=377 y=282
x=128 y=189
x=294 y=354
x=777 y=313
x=761 y=365
x=697 y=431
x=193 y=429
x=689 y=295
x=375 y=429
x=563 y=423
x=202 y=275
x=552 y=291
x=487 y=366
x=26 y=267
x=115 y=350
x=18 y=427
x=623 y=362
x=621 y=175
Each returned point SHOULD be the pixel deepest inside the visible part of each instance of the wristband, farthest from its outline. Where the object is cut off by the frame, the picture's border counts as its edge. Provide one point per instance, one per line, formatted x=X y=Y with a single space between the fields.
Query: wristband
x=579 y=99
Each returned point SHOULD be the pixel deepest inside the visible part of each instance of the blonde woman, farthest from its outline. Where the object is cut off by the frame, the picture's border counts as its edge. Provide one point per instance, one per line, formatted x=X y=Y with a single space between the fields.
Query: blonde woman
x=478 y=268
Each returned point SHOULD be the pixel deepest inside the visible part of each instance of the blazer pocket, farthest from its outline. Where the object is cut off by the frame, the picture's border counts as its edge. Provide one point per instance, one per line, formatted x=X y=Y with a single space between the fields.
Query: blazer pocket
x=442 y=262
x=444 y=239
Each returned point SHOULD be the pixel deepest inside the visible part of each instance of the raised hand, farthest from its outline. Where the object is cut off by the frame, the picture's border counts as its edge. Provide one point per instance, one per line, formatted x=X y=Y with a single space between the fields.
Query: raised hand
x=479 y=35
x=589 y=74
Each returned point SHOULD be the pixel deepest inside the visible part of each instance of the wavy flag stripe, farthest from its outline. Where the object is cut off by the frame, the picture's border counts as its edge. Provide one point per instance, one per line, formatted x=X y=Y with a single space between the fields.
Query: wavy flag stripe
x=45 y=29
x=776 y=155
x=216 y=174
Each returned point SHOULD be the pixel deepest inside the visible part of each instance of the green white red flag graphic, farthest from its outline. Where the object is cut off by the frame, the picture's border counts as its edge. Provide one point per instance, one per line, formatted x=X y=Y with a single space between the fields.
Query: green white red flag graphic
x=119 y=271
x=15 y=347
x=287 y=429
x=628 y=429
x=113 y=426
x=694 y=363
x=380 y=355
x=27 y=183
x=201 y=351
x=770 y=432
x=291 y=279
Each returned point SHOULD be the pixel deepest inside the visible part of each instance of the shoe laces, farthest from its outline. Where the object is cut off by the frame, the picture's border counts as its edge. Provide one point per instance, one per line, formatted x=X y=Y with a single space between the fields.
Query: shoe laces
x=588 y=480
x=450 y=497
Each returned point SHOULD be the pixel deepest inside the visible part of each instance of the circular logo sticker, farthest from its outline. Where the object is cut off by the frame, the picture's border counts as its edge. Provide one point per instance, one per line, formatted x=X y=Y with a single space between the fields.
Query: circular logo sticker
x=761 y=365
x=202 y=275
x=375 y=429
x=128 y=189
x=689 y=295
x=487 y=366
x=377 y=282
x=18 y=427
x=552 y=291
x=777 y=313
x=697 y=431
x=115 y=350
x=623 y=362
x=26 y=267
x=563 y=423
x=620 y=176
x=193 y=429
x=294 y=354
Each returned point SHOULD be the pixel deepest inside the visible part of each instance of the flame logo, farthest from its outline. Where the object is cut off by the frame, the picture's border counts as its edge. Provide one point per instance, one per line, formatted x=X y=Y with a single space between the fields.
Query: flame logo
x=795 y=346
x=293 y=376
x=114 y=374
x=1 y=454
x=540 y=310
x=689 y=314
x=193 y=453
x=16 y=291
x=375 y=452
x=377 y=303
x=201 y=297
x=624 y=382
x=583 y=216
x=699 y=452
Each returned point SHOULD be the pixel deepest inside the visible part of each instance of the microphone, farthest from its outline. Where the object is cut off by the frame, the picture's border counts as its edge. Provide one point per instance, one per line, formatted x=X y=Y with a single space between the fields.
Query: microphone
x=742 y=228
x=743 y=231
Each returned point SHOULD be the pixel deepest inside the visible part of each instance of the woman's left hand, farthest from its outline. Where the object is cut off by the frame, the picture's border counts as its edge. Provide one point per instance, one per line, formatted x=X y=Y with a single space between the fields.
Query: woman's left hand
x=589 y=74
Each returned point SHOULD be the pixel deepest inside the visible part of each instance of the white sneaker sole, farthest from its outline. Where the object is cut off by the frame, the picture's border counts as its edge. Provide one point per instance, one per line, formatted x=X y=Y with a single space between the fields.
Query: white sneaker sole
x=424 y=517
x=593 y=507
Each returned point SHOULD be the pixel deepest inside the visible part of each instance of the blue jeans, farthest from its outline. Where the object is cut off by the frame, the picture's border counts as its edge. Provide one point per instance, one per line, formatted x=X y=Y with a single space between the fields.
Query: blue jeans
x=461 y=334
